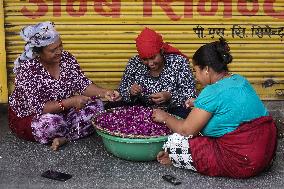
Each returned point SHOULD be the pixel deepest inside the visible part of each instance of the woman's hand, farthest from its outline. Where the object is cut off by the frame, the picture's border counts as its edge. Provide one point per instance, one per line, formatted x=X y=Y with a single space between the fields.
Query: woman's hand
x=79 y=101
x=160 y=97
x=112 y=95
x=159 y=115
x=135 y=89
x=189 y=102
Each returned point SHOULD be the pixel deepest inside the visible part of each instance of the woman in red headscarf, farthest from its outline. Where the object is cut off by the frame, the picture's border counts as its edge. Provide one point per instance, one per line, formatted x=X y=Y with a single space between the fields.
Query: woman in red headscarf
x=158 y=76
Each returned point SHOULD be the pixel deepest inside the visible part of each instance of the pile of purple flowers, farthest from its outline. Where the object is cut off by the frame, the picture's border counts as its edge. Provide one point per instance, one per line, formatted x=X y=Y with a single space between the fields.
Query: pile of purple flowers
x=131 y=122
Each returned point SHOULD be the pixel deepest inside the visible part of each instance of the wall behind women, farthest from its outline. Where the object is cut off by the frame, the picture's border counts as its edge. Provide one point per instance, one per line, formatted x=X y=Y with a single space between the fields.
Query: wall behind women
x=101 y=33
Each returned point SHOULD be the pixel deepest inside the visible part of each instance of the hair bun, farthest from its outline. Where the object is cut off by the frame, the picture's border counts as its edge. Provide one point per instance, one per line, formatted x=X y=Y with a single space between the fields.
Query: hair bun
x=227 y=58
x=223 y=50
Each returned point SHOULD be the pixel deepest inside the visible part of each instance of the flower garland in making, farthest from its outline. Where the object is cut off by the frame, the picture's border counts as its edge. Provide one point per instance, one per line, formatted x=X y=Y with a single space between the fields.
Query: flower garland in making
x=131 y=122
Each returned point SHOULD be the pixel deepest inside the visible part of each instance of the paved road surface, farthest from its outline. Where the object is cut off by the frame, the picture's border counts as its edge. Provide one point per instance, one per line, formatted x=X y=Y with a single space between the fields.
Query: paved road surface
x=21 y=164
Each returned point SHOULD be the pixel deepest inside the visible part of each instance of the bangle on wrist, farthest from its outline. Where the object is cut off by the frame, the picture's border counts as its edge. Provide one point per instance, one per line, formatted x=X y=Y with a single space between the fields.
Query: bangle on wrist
x=61 y=105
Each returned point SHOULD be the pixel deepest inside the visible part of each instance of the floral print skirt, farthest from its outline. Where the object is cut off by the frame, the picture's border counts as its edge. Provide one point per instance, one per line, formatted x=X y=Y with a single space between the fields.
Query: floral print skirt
x=70 y=124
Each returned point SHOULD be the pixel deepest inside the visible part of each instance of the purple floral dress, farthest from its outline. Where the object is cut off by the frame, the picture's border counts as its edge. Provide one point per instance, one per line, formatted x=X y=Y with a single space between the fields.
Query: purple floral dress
x=34 y=86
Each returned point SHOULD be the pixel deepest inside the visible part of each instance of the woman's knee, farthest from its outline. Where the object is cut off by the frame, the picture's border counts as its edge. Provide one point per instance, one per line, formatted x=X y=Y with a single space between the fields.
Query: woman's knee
x=48 y=124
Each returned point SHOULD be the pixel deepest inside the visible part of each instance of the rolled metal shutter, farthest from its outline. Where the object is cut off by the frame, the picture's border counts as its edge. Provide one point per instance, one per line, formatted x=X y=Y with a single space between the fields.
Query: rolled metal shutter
x=101 y=33
x=3 y=71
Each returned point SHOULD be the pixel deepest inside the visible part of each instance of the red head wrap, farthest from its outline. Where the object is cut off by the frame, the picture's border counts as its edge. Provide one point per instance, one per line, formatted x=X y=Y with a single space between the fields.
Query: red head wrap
x=149 y=43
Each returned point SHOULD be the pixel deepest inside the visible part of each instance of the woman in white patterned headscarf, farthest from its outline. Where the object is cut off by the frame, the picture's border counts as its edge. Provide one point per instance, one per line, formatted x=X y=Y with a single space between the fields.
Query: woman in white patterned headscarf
x=52 y=100
x=40 y=35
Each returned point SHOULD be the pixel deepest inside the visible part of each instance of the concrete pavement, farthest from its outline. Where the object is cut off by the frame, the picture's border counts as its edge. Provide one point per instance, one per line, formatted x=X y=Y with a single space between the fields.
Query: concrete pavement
x=22 y=162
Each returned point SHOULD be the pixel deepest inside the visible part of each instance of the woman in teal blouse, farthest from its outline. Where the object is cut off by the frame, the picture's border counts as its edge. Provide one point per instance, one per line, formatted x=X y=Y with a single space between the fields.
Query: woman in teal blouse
x=228 y=132
x=230 y=100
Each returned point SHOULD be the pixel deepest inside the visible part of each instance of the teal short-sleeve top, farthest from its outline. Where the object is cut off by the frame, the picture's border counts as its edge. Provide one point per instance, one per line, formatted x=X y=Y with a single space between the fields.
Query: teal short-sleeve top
x=231 y=101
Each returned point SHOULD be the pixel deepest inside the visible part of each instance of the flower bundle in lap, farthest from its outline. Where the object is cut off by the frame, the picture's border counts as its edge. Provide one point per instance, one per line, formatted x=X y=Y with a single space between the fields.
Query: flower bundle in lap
x=131 y=122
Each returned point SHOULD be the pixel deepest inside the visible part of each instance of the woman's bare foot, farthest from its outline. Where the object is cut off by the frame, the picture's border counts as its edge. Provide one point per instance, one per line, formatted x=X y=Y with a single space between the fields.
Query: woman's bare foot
x=163 y=158
x=57 y=142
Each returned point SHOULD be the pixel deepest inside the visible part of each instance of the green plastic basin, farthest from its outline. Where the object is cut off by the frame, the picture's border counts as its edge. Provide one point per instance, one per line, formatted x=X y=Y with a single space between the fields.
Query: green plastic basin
x=133 y=149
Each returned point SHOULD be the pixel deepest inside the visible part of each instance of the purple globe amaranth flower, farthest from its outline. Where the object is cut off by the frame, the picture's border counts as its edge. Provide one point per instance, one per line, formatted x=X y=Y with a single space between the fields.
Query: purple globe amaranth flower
x=131 y=122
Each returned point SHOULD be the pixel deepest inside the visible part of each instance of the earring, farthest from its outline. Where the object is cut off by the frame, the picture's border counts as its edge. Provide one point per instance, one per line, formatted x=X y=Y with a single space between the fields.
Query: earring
x=207 y=68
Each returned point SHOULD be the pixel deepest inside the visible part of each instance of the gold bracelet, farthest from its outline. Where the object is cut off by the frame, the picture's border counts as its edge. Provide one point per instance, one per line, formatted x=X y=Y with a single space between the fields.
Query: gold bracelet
x=61 y=105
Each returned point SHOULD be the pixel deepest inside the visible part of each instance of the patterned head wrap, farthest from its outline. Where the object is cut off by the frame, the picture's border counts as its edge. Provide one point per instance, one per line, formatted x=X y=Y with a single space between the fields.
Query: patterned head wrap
x=39 y=35
x=149 y=43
